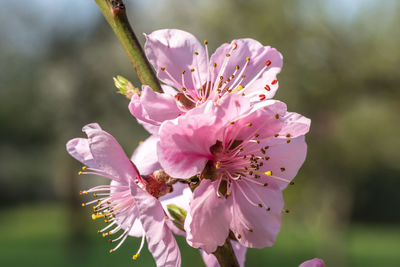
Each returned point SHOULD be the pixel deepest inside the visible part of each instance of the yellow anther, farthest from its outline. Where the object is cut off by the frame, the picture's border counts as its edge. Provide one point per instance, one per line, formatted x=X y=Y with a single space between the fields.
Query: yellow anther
x=184 y=89
x=288 y=135
x=80 y=172
x=228 y=55
x=268 y=173
x=229 y=193
x=83 y=204
x=84 y=168
x=95 y=195
x=218 y=164
x=97 y=215
x=205 y=42
x=134 y=257
x=237 y=67
x=162 y=68
x=248 y=58
x=215 y=65
x=237 y=89
x=104 y=235
x=192 y=70
x=249 y=124
x=111 y=250
x=184 y=71
x=200 y=98
x=109 y=233
x=219 y=196
x=140 y=142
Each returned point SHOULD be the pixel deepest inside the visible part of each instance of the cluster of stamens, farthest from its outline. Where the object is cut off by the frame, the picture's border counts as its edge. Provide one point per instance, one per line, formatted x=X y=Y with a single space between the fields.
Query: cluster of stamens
x=218 y=85
x=115 y=205
x=243 y=160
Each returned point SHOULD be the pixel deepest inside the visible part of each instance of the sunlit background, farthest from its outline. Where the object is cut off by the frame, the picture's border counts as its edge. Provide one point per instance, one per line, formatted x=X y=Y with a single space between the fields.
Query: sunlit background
x=341 y=69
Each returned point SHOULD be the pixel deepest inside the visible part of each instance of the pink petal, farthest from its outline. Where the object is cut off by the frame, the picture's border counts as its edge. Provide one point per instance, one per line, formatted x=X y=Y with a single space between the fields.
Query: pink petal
x=284 y=159
x=240 y=251
x=79 y=149
x=160 y=240
x=207 y=224
x=313 y=263
x=145 y=156
x=259 y=55
x=108 y=154
x=258 y=226
x=153 y=108
x=295 y=124
x=174 y=50
x=185 y=142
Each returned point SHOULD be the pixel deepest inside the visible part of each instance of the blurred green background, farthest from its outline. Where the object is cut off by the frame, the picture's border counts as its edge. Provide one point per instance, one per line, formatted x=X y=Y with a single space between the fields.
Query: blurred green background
x=341 y=69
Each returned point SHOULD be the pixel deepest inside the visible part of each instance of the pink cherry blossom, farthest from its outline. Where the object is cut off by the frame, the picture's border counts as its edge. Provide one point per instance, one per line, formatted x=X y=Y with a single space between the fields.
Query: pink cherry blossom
x=245 y=154
x=123 y=201
x=313 y=263
x=244 y=66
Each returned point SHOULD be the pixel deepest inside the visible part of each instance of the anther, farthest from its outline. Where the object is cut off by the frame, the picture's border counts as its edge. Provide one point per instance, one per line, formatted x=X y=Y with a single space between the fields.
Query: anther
x=247 y=59
x=184 y=89
x=262 y=97
x=83 y=204
x=260 y=205
x=274 y=81
x=237 y=67
x=268 y=209
x=184 y=71
x=239 y=236
x=196 y=53
x=283 y=169
x=267 y=87
x=268 y=62
x=205 y=42
x=84 y=168
x=250 y=230
x=288 y=141
x=215 y=65
x=191 y=70
x=234 y=46
x=163 y=68
x=266 y=184
x=228 y=55
x=80 y=173
x=249 y=124
x=134 y=257
x=291 y=183
x=276 y=135
x=288 y=135
x=232 y=122
x=277 y=116
x=111 y=250
x=256 y=135
x=287 y=210
x=268 y=173
x=218 y=164
x=267 y=158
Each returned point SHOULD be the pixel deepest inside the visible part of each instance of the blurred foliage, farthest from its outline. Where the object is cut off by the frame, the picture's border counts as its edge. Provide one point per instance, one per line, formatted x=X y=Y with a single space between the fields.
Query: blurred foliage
x=340 y=69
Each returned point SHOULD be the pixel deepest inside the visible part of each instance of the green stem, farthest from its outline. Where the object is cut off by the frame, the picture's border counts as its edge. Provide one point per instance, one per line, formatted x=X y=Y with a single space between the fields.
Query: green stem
x=226 y=256
x=115 y=13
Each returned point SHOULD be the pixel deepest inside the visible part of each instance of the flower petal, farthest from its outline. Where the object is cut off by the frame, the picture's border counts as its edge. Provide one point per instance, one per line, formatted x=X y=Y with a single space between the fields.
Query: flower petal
x=145 y=156
x=175 y=50
x=153 y=108
x=295 y=124
x=178 y=154
x=80 y=150
x=258 y=55
x=109 y=155
x=256 y=225
x=240 y=251
x=207 y=224
x=160 y=240
x=313 y=263
x=284 y=159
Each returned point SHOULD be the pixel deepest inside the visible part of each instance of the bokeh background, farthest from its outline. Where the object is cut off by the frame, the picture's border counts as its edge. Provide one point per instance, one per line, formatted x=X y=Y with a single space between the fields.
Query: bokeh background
x=341 y=69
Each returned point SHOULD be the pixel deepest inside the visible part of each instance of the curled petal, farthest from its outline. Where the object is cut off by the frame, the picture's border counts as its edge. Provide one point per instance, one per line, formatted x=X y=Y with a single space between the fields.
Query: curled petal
x=207 y=223
x=175 y=51
x=159 y=237
x=313 y=263
x=145 y=156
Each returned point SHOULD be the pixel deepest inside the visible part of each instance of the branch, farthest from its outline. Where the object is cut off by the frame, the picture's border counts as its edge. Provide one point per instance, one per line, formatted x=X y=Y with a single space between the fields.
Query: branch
x=115 y=13
x=226 y=256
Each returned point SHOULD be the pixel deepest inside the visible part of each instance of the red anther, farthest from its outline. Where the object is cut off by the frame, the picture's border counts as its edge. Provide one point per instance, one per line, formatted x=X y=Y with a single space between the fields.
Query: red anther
x=234 y=46
x=274 y=81
x=262 y=97
x=268 y=62
x=178 y=95
x=179 y=115
x=267 y=87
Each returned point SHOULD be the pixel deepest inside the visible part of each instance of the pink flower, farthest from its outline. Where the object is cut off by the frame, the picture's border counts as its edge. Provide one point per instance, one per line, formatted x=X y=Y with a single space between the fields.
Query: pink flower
x=124 y=201
x=245 y=155
x=244 y=66
x=313 y=263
